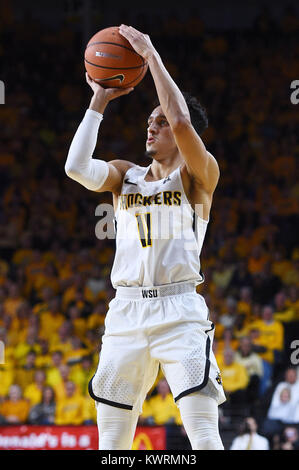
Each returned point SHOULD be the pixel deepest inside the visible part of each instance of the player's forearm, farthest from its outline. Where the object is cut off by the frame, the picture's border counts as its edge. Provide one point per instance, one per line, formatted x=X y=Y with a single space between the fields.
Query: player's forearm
x=98 y=103
x=170 y=97
x=80 y=166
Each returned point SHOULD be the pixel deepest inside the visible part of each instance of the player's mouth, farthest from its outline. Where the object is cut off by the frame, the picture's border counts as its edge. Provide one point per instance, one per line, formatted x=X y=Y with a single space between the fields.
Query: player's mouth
x=150 y=140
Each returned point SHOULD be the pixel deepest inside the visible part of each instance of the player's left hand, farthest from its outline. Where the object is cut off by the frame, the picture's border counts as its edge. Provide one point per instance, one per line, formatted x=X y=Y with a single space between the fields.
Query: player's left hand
x=140 y=42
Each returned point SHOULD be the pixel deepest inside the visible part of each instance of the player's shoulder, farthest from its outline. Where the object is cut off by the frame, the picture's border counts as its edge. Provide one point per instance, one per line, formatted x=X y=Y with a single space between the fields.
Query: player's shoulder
x=212 y=157
x=128 y=168
x=122 y=165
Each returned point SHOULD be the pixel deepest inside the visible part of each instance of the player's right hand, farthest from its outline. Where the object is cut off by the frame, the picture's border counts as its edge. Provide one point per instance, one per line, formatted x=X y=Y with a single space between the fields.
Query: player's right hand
x=106 y=94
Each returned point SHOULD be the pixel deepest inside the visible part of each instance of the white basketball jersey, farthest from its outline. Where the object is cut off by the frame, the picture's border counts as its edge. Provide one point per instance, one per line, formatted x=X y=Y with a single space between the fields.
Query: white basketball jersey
x=159 y=236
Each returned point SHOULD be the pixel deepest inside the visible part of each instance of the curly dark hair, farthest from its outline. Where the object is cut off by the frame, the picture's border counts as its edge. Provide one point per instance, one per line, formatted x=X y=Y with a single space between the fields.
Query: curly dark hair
x=198 y=114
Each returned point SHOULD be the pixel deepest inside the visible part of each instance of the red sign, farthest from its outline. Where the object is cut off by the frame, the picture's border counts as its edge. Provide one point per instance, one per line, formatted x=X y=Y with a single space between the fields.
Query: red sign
x=150 y=438
x=72 y=438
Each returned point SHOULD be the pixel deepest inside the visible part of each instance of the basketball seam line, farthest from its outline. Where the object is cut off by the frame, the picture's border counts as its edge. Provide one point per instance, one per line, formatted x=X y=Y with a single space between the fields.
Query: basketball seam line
x=115 y=68
x=115 y=44
x=132 y=81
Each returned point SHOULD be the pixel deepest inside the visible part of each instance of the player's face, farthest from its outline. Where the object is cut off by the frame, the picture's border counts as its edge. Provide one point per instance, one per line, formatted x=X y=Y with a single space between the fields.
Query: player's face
x=160 y=139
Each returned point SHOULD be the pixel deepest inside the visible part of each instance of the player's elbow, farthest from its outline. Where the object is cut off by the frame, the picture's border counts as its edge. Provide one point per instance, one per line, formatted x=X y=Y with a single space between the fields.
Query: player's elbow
x=181 y=123
x=70 y=170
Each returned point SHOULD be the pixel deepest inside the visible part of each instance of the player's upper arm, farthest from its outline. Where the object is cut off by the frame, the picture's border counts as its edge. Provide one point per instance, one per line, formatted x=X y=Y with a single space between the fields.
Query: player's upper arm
x=199 y=162
x=117 y=170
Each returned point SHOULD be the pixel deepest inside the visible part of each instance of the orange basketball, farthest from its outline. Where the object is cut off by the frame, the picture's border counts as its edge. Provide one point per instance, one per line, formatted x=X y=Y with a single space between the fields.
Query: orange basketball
x=111 y=61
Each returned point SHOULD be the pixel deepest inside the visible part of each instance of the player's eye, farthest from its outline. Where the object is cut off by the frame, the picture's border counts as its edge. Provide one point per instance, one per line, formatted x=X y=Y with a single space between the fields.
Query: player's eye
x=163 y=122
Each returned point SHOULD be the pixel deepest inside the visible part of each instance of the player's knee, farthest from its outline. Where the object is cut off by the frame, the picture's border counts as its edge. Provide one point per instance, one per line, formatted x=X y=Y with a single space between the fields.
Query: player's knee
x=206 y=443
x=116 y=427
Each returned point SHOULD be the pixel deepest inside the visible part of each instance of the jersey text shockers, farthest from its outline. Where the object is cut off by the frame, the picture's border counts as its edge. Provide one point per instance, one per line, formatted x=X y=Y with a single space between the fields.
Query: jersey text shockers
x=159 y=236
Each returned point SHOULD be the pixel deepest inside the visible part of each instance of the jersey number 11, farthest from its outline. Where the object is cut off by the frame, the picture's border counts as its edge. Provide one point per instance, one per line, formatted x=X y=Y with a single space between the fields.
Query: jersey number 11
x=144 y=223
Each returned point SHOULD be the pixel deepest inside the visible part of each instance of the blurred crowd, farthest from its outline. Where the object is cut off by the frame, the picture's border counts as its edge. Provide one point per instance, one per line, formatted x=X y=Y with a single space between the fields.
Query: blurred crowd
x=54 y=271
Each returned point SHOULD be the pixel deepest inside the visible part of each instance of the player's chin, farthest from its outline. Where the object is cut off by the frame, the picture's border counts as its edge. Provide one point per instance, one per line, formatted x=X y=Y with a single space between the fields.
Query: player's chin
x=150 y=153
x=150 y=150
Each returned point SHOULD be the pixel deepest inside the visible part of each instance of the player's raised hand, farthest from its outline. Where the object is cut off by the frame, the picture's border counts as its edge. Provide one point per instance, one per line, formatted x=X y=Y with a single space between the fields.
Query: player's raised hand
x=102 y=96
x=140 y=42
x=109 y=93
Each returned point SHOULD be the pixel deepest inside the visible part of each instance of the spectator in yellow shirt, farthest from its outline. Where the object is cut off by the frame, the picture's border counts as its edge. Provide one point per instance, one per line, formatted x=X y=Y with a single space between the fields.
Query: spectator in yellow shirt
x=33 y=392
x=97 y=318
x=48 y=277
x=20 y=321
x=161 y=408
x=24 y=375
x=30 y=343
x=70 y=409
x=267 y=336
x=270 y=334
x=6 y=378
x=77 y=352
x=219 y=328
x=79 y=324
x=228 y=341
x=65 y=377
x=292 y=300
x=292 y=274
x=235 y=379
x=61 y=341
x=14 y=299
x=244 y=305
x=15 y=409
x=93 y=341
x=45 y=296
x=33 y=269
x=257 y=260
x=53 y=373
x=89 y=412
x=51 y=319
x=253 y=365
x=78 y=283
x=82 y=373
x=283 y=312
x=43 y=359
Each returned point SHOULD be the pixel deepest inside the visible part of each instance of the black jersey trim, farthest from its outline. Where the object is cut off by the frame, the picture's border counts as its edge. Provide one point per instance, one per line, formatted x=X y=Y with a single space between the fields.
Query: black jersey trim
x=206 y=373
x=107 y=402
x=194 y=228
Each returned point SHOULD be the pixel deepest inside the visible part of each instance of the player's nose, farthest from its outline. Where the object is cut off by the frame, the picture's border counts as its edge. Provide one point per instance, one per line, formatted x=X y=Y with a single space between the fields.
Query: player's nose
x=152 y=128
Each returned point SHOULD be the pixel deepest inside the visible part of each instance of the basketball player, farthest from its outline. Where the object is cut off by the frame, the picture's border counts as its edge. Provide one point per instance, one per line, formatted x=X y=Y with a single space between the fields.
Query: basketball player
x=156 y=317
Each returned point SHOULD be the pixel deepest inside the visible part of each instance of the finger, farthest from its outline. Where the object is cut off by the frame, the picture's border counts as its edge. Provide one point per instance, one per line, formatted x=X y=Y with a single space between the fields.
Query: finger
x=88 y=79
x=123 y=32
x=134 y=30
x=116 y=92
x=126 y=31
x=125 y=91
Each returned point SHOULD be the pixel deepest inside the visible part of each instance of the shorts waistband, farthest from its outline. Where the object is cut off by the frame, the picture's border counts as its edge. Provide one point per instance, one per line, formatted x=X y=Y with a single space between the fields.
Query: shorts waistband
x=154 y=292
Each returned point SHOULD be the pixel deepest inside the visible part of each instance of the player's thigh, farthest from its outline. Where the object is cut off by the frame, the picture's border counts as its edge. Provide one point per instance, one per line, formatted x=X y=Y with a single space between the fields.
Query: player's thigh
x=125 y=366
x=119 y=377
x=183 y=345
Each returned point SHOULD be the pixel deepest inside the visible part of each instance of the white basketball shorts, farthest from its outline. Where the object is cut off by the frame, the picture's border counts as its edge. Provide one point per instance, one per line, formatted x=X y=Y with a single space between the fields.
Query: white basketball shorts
x=148 y=327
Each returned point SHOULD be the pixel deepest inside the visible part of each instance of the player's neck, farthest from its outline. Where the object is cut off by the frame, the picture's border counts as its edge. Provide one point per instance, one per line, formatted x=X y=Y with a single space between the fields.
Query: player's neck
x=161 y=169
